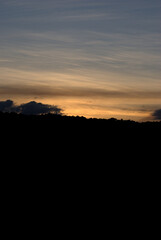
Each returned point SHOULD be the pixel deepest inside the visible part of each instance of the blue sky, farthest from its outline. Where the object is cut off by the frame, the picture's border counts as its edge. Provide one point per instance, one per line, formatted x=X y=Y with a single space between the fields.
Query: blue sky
x=93 y=58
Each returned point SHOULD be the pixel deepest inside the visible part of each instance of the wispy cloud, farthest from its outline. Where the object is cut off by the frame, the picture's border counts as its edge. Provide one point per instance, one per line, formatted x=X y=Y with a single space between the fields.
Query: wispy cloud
x=81 y=49
x=39 y=91
x=5 y=60
x=61 y=50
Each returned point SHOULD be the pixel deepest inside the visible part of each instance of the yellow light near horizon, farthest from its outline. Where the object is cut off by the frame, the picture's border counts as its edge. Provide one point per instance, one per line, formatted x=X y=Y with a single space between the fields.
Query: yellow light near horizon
x=65 y=89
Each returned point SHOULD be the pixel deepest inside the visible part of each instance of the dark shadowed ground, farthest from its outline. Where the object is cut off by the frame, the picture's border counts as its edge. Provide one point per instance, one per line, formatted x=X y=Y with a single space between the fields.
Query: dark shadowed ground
x=58 y=139
x=78 y=167
x=57 y=130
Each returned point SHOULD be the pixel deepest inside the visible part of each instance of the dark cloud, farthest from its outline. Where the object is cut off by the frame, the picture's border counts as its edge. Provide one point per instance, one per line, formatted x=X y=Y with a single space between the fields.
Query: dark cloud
x=30 y=108
x=38 y=108
x=6 y=106
x=157 y=114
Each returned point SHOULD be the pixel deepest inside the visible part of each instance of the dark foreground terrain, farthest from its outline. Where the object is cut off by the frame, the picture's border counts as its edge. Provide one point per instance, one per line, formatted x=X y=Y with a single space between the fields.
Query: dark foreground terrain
x=57 y=139
x=54 y=128
x=44 y=140
x=69 y=158
x=75 y=122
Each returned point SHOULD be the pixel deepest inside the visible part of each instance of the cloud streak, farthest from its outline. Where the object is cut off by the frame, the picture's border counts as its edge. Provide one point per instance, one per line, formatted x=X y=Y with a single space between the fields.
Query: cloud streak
x=47 y=91
x=81 y=51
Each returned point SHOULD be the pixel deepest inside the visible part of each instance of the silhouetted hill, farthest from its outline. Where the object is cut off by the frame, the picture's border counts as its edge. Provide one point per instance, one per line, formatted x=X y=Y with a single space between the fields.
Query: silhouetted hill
x=61 y=126
x=52 y=119
x=48 y=118
x=56 y=138
x=54 y=151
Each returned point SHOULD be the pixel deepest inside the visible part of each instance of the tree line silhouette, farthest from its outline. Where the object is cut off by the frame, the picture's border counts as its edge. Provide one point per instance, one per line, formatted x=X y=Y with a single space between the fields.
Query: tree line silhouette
x=56 y=121
x=70 y=145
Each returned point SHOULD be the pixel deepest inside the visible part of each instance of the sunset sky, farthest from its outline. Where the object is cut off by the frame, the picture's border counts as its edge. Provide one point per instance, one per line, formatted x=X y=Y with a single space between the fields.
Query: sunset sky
x=92 y=58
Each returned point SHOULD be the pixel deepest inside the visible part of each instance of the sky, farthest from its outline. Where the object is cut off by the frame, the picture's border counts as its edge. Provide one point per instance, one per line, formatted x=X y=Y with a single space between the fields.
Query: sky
x=92 y=58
